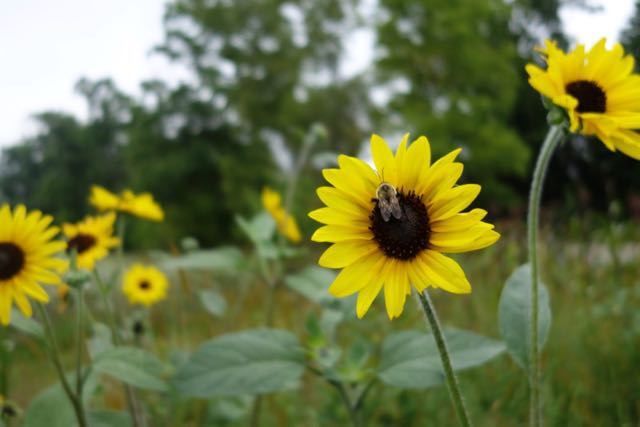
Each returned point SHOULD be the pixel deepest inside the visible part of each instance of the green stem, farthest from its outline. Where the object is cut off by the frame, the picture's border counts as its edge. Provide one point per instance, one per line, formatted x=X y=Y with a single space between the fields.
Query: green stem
x=54 y=355
x=452 y=380
x=79 y=340
x=5 y=362
x=551 y=142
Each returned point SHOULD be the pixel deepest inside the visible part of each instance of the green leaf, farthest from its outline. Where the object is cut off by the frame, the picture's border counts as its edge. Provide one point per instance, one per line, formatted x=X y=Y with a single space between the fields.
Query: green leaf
x=133 y=366
x=258 y=229
x=213 y=301
x=312 y=283
x=249 y=362
x=410 y=359
x=106 y=418
x=223 y=259
x=25 y=324
x=100 y=340
x=514 y=314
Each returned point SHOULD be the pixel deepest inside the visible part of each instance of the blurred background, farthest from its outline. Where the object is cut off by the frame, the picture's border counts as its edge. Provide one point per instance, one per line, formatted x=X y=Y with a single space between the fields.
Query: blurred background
x=204 y=102
x=178 y=98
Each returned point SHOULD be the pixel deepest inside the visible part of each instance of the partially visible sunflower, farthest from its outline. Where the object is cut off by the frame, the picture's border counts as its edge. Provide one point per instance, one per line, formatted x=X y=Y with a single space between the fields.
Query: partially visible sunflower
x=286 y=223
x=140 y=205
x=92 y=238
x=144 y=285
x=597 y=89
x=392 y=249
x=28 y=258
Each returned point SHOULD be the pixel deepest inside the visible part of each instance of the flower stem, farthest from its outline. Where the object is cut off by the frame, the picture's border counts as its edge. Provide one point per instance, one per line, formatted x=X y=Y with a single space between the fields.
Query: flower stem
x=551 y=142
x=54 y=354
x=79 y=340
x=452 y=380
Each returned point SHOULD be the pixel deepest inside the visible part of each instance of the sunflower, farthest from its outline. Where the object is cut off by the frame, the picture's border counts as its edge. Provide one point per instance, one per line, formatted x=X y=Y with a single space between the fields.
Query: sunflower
x=28 y=258
x=144 y=285
x=140 y=205
x=286 y=223
x=392 y=234
x=91 y=239
x=597 y=89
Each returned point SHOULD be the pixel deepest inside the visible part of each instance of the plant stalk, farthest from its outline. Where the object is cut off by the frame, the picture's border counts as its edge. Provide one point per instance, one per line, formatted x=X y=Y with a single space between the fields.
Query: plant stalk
x=551 y=142
x=54 y=355
x=452 y=380
x=79 y=340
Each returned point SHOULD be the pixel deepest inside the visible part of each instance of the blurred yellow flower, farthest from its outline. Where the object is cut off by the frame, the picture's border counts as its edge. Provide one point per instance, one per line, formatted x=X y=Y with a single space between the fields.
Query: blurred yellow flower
x=27 y=259
x=391 y=233
x=286 y=223
x=144 y=285
x=140 y=205
x=597 y=89
x=92 y=238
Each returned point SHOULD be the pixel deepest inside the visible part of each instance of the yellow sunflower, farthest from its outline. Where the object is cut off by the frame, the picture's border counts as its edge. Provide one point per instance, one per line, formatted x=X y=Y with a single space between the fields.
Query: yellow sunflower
x=144 y=285
x=392 y=233
x=28 y=258
x=286 y=223
x=91 y=238
x=140 y=205
x=597 y=89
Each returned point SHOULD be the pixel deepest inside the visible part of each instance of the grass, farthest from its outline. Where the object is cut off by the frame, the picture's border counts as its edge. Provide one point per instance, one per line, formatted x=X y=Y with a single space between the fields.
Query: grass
x=590 y=361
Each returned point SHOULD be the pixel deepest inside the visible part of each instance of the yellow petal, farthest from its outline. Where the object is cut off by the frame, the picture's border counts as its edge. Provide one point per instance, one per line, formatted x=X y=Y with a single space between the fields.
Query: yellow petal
x=384 y=160
x=453 y=201
x=357 y=275
x=340 y=233
x=342 y=254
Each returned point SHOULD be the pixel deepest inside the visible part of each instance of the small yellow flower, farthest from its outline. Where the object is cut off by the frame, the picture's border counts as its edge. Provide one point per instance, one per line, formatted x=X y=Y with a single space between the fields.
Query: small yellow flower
x=91 y=238
x=140 y=205
x=391 y=234
x=286 y=223
x=28 y=258
x=144 y=285
x=597 y=89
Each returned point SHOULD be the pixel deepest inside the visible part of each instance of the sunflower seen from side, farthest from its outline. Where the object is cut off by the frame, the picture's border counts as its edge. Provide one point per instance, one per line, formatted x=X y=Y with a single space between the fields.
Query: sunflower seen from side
x=597 y=89
x=145 y=285
x=91 y=239
x=141 y=205
x=387 y=248
x=286 y=224
x=29 y=258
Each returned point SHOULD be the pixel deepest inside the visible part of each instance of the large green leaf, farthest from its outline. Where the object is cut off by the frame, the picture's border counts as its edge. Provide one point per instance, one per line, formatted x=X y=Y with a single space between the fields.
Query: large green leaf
x=514 y=313
x=249 y=362
x=410 y=359
x=312 y=283
x=223 y=259
x=133 y=366
x=258 y=229
x=109 y=419
x=25 y=324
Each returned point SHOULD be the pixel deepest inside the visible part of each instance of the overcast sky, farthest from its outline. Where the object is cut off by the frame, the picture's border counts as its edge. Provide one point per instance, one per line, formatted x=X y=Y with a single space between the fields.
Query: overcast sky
x=47 y=45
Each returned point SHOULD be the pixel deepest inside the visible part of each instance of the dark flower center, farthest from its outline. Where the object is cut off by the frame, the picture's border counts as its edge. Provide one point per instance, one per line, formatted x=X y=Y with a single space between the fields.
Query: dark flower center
x=406 y=237
x=591 y=98
x=81 y=243
x=145 y=285
x=11 y=260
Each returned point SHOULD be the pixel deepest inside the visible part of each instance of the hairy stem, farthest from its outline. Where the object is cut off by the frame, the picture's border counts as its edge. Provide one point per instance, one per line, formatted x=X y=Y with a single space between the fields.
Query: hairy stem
x=552 y=140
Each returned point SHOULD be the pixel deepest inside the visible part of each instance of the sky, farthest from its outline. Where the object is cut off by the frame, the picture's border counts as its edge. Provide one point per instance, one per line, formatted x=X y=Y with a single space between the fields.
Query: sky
x=69 y=39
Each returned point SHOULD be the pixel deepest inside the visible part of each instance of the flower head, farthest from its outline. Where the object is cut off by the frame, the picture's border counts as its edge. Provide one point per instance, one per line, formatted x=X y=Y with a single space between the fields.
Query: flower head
x=28 y=258
x=391 y=234
x=140 y=205
x=286 y=223
x=597 y=89
x=144 y=285
x=92 y=238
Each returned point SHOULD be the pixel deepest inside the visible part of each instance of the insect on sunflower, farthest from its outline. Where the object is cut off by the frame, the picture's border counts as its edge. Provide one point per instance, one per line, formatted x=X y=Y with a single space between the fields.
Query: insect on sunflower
x=28 y=258
x=379 y=246
x=597 y=89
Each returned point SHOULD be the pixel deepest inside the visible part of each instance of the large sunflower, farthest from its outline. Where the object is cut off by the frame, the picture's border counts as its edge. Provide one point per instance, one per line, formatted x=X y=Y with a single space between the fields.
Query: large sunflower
x=144 y=285
x=140 y=205
x=286 y=224
x=28 y=258
x=91 y=238
x=379 y=244
x=597 y=89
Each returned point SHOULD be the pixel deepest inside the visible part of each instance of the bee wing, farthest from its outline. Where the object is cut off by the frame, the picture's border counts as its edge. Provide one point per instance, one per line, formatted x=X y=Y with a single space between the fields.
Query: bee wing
x=395 y=208
x=385 y=209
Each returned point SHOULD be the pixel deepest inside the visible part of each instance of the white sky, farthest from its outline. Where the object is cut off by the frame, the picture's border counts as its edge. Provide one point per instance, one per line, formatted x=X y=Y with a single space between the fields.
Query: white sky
x=47 y=45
